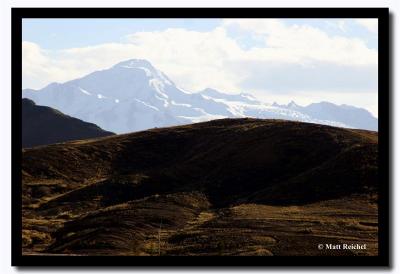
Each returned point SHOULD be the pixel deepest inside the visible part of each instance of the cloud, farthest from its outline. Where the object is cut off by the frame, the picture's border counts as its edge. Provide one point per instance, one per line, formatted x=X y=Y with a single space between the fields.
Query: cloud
x=291 y=57
x=297 y=43
x=291 y=78
x=41 y=67
x=370 y=24
x=33 y=64
x=195 y=60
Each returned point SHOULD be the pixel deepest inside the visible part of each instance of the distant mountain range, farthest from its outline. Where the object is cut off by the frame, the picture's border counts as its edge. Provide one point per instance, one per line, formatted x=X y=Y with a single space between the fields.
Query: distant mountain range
x=44 y=125
x=133 y=95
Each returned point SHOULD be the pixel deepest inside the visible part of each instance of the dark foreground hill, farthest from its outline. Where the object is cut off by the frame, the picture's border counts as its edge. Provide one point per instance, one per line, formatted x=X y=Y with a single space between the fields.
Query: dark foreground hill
x=225 y=187
x=44 y=125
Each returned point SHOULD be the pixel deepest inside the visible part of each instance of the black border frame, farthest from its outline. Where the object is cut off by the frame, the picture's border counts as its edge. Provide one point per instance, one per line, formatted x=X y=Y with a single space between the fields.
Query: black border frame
x=383 y=124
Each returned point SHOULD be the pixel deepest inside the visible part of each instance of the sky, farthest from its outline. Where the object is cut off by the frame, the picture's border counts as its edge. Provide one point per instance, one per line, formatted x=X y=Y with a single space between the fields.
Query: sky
x=276 y=60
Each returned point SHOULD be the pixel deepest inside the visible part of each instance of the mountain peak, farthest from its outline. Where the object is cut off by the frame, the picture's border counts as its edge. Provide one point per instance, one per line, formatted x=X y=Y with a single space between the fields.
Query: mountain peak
x=248 y=96
x=210 y=92
x=293 y=104
x=135 y=63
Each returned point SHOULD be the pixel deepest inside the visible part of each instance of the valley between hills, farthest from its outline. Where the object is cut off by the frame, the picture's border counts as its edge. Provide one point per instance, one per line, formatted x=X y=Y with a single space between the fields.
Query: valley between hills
x=230 y=187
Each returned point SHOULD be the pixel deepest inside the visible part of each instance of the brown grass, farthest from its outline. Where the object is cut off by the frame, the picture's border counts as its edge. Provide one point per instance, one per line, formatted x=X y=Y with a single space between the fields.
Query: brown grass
x=225 y=187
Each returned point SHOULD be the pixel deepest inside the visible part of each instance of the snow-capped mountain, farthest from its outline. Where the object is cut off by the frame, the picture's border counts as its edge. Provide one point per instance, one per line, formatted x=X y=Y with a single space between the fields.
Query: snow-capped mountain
x=133 y=95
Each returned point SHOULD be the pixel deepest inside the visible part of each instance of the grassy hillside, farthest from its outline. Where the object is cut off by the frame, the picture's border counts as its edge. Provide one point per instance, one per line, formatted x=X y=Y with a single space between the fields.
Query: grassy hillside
x=43 y=125
x=227 y=187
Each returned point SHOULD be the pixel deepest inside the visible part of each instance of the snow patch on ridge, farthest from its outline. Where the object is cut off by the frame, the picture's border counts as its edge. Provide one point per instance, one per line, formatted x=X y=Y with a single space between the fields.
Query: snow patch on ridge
x=84 y=91
x=178 y=104
x=158 y=86
x=147 y=105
